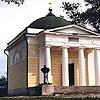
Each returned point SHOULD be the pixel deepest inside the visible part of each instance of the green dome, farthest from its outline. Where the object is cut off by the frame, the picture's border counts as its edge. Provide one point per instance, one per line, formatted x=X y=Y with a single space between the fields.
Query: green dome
x=49 y=21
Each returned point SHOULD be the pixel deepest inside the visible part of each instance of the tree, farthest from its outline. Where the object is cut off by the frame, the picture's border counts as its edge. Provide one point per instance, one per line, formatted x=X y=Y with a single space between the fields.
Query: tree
x=91 y=15
x=72 y=11
x=18 y=2
x=3 y=82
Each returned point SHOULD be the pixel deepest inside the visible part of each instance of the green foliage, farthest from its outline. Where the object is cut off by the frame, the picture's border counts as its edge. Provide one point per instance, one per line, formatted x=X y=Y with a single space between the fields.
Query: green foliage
x=91 y=15
x=3 y=82
x=18 y=2
x=72 y=11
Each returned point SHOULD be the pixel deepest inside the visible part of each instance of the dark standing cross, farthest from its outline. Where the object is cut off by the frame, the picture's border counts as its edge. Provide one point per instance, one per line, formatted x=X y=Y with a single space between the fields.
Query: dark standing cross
x=45 y=71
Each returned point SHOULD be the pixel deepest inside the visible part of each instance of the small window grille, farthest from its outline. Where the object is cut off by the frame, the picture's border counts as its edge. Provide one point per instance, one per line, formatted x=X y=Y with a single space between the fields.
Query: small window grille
x=73 y=39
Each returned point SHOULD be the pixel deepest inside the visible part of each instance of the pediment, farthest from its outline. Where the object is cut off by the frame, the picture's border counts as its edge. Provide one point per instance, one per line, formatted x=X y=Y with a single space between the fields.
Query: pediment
x=74 y=30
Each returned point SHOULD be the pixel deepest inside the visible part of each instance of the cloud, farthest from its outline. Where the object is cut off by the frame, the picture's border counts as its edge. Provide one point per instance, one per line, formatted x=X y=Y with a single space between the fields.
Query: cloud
x=3 y=64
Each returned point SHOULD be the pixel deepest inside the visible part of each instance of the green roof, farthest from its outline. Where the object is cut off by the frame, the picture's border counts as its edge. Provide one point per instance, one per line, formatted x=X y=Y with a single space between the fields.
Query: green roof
x=49 y=21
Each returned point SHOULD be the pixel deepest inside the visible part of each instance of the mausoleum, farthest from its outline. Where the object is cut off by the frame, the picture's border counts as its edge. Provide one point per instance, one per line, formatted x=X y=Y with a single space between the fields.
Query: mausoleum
x=71 y=52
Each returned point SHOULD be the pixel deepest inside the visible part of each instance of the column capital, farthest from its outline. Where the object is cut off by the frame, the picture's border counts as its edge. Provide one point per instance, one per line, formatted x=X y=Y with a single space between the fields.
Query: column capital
x=47 y=46
x=97 y=48
x=82 y=47
x=65 y=47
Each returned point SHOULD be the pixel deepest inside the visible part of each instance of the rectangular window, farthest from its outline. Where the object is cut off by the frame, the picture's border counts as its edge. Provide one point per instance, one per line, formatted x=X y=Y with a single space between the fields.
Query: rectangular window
x=73 y=39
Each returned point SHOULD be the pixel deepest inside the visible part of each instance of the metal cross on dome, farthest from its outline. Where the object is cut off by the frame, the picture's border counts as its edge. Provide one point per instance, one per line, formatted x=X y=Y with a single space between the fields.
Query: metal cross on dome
x=50 y=5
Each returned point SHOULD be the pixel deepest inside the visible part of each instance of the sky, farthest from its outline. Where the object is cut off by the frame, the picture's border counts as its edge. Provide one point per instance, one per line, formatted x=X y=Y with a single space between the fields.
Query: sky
x=14 y=19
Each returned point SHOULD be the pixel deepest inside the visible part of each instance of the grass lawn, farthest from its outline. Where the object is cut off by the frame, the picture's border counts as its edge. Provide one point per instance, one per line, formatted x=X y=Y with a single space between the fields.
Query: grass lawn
x=48 y=98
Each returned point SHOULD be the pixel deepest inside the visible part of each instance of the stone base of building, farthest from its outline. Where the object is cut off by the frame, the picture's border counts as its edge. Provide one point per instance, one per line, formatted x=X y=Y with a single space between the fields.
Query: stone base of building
x=71 y=90
x=77 y=91
x=17 y=92
x=50 y=90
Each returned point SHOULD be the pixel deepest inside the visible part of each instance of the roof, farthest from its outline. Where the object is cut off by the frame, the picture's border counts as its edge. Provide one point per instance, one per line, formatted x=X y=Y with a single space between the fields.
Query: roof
x=75 y=26
x=50 y=21
x=30 y=32
x=49 y=24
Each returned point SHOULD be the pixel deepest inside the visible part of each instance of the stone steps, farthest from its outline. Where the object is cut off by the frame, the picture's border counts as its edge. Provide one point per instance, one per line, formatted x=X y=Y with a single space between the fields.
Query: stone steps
x=77 y=90
x=71 y=90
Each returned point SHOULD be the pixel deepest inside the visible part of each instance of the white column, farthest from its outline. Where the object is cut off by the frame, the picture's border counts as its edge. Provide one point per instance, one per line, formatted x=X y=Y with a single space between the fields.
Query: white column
x=97 y=67
x=48 y=62
x=65 y=73
x=82 y=67
x=91 y=68
x=41 y=65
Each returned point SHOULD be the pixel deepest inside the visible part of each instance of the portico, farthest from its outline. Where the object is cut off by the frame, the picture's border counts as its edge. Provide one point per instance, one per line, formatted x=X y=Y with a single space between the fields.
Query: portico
x=65 y=50
x=84 y=61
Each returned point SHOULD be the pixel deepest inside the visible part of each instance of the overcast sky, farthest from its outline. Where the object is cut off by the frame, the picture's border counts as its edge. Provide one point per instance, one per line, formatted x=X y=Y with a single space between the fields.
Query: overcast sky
x=14 y=19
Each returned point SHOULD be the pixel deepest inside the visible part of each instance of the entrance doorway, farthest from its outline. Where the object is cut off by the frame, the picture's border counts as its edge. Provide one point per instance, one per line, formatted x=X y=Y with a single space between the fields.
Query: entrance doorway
x=71 y=74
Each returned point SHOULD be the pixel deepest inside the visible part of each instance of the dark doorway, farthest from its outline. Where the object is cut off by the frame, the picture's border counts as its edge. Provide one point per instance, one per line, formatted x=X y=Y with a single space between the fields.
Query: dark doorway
x=71 y=74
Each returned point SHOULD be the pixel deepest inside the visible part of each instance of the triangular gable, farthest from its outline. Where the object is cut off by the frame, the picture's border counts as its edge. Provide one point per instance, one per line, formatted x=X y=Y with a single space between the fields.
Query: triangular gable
x=73 y=29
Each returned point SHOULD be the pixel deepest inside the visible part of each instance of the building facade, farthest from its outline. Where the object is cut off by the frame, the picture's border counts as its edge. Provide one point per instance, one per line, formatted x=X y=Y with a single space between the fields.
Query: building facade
x=71 y=52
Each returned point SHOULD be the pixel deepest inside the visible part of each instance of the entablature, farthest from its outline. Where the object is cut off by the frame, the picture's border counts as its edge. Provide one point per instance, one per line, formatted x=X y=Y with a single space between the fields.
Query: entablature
x=73 y=41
